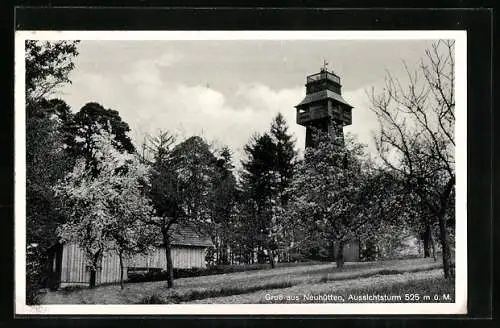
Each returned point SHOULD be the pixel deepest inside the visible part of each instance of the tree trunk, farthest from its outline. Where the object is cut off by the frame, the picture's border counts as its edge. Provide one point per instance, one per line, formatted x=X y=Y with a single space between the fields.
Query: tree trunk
x=445 y=248
x=260 y=253
x=433 y=246
x=121 y=269
x=224 y=256
x=448 y=269
x=271 y=258
x=93 y=270
x=426 y=238
x=92 y=277
x=333 y=250
x=168 y=255
x=339 y=258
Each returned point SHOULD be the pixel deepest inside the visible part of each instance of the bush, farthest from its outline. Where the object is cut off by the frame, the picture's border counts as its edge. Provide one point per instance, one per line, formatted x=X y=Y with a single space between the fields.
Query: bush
x=369 y=251
x=152 y=299
x=146 y=274
x=157 y=274
x=71 y=289
x=210 y=255
x=34 y=273
x=389 y=272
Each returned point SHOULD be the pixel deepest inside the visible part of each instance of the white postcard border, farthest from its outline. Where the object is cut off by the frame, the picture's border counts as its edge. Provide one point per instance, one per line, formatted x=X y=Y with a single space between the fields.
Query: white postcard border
x=460 y=305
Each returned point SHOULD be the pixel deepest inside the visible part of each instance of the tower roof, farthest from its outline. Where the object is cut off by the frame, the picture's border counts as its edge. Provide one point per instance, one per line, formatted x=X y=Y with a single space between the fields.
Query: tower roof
x=322 y=95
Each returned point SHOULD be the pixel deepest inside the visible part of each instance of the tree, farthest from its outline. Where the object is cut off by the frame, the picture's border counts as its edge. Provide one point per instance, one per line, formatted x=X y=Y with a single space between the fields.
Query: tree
x=180 y=187
x=385 y=209
x=285 y=161
x=420 y=221
x=223 y=201
x=107 y=208
x=194 y=165
x=48 y=64
x=92 y=118
x=130 y=208
x=259 y=181
x=46 y=163
x=417 y=135
x=164 y=192
x=267 y=173
x=285 y=157
x=328 y=192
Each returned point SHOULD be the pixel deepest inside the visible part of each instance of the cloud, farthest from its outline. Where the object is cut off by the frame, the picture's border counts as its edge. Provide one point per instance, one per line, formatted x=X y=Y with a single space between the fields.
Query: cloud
x=364 y=121
x=202 y=110
x=166 y=59
x=149 y=104
x=263 y=97
x=145 y=74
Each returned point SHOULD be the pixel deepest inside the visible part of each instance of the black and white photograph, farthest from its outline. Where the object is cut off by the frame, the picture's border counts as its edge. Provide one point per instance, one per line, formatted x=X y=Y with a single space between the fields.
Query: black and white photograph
x=265 y=172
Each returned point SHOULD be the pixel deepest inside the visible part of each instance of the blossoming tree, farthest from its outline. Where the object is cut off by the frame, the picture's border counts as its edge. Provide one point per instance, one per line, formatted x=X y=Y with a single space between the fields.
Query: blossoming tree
x=106 y=205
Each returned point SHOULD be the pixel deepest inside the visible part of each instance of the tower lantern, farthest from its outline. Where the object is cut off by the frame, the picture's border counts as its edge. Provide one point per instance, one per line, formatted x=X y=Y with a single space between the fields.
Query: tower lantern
x=323 y=107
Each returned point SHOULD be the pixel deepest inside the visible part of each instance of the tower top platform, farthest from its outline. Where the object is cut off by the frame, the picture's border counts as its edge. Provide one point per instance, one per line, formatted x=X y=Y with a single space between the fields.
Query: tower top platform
x=323 y=104
x=323 y=75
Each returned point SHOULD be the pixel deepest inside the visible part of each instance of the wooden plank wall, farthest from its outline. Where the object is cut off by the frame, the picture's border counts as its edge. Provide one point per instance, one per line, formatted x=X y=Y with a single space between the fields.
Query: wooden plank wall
x=182 y=257
x=153 y=259
x=188 y=257
x=351 y=252
x=75 y=271
x=110 y=269
x=73 y=266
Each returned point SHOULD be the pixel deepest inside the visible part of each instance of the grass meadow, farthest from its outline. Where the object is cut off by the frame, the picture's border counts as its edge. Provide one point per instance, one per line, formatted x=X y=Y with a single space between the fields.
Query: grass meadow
x=295 y=284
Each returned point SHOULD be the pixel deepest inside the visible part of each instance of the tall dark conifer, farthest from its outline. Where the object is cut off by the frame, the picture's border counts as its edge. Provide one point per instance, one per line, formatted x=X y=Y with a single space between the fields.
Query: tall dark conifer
x=259 y=184
x=285 y=157
x=92 y=118
x=268 y=171
x=223 y=198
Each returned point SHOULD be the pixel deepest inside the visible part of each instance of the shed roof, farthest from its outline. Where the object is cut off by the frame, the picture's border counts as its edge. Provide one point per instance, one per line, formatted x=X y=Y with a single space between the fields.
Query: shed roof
x=181 y=235
x=187 y=235
x=321 y=95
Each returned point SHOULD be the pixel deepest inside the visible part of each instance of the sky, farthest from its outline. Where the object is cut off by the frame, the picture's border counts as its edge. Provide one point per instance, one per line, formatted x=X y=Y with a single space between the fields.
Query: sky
x=227 y=90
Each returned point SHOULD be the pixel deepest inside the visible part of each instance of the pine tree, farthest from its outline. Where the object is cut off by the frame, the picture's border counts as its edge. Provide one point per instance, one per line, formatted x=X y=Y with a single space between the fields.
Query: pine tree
x=267 y=173
x=285 y=162
x=181 y=184
x=259 y=181
x=285 y=157
x=223 y=199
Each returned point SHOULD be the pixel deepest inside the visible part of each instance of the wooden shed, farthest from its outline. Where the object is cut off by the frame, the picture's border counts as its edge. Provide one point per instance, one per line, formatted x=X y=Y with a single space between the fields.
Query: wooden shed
x=68 y=265
x=188 y=251
x=351 y=251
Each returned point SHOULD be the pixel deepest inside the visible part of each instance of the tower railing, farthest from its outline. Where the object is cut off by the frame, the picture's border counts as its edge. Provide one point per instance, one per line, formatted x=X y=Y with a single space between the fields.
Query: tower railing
x=323 y=76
